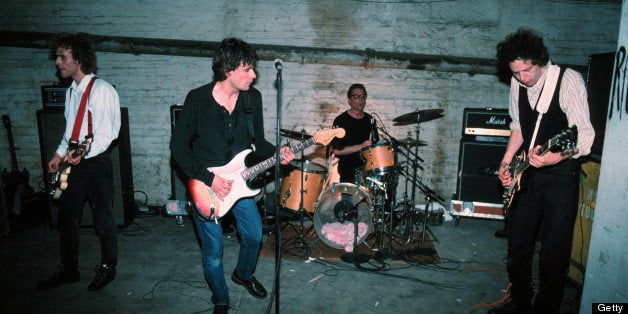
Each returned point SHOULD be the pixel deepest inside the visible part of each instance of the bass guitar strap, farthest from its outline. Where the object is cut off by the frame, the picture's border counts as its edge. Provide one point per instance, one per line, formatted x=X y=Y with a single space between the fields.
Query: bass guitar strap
x=81 y=113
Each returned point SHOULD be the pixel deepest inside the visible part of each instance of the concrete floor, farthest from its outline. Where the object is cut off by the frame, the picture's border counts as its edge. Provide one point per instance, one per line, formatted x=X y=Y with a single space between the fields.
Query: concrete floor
x=159 y=271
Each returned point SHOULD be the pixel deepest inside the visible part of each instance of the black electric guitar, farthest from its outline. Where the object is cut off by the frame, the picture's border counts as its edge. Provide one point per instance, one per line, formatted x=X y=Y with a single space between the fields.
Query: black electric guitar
x=565 y=140
x=16 y=187
x=59 y=180
x=207 y=202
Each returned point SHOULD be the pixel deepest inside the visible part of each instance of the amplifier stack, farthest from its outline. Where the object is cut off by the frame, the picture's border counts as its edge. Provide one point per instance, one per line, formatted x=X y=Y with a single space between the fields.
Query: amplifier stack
x=485 y=133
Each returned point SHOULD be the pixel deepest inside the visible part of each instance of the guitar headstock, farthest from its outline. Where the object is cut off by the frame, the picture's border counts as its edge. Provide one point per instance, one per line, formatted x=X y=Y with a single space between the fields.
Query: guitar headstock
x=325 y=136
x=567 y=140
x=6 y=121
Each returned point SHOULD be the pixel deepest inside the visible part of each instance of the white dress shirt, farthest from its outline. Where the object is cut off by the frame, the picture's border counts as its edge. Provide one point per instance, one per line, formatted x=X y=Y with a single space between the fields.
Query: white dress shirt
x=104 y=106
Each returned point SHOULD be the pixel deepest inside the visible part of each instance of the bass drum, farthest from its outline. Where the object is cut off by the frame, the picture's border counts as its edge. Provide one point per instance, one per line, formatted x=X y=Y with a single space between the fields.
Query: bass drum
x=335 y=213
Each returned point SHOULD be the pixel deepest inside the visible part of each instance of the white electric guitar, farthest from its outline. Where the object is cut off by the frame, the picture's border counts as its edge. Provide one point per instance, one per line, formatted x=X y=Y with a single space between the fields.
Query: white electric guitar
x=209 y=206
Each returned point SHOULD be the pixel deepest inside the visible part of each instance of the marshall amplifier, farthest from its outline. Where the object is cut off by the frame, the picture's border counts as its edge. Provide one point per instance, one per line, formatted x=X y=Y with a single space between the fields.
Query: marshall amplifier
x=486 y=122
x=53 y=96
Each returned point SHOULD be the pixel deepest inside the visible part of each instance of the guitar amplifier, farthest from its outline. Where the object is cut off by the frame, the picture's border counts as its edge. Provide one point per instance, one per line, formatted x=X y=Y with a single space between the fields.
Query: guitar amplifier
x=53 y=96
x=486 y=122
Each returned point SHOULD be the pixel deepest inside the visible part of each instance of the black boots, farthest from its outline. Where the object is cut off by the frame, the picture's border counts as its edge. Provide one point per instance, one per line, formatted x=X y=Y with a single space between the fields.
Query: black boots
x=104 y=275
x=64 y=274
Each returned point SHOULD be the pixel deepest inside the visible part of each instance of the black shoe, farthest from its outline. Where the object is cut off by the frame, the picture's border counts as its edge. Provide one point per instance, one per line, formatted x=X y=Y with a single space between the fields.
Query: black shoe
x=220 y=309
x=513 y=306
x=64 y=274
x=502 y=234
x=255 y=288
x=104 y=275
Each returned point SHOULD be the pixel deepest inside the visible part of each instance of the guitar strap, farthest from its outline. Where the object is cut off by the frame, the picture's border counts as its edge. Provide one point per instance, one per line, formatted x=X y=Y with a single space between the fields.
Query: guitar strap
x=553 y=79
x=249 y=118
x=81 y=112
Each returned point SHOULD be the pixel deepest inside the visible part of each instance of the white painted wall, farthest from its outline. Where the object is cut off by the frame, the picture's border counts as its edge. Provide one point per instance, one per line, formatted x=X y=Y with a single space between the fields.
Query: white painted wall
x=314 y=93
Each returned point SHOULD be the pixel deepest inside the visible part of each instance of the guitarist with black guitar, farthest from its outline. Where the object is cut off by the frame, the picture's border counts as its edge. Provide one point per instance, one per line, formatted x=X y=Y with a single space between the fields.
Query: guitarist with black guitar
x=217 y=125
x=92 y=114
x=550 y=129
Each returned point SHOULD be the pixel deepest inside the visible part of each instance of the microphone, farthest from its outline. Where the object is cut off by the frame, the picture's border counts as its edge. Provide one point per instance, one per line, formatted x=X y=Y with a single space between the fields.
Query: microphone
x=374 y=134
x=278 y=65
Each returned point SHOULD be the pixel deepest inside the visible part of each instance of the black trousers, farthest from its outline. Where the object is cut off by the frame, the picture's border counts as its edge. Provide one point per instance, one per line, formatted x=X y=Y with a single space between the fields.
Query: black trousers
x=546 y=210
x=93 y=178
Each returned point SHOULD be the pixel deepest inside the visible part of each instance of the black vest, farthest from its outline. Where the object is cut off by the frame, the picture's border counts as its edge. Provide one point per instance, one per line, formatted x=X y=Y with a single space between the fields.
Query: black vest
x=553 y=122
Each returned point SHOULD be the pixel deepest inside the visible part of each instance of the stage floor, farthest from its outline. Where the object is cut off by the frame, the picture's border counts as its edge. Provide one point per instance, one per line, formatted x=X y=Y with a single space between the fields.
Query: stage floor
x=159 y=271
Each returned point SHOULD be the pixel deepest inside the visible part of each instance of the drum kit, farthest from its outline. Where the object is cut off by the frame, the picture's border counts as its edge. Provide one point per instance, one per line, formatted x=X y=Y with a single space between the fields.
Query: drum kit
x=345 y=215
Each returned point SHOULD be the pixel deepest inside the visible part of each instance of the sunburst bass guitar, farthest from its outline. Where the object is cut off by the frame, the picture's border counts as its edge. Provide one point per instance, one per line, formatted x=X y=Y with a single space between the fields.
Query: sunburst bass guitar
x=209 y=206
x=566 y=140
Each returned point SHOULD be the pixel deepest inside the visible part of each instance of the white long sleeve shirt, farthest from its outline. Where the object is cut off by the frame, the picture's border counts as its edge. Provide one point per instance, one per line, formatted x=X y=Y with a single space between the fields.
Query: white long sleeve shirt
x=104 y=106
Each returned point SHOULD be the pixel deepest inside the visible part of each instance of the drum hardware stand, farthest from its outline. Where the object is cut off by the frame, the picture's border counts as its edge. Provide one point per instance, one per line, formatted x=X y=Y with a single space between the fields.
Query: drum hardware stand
x=429 y=196
x=301 y=211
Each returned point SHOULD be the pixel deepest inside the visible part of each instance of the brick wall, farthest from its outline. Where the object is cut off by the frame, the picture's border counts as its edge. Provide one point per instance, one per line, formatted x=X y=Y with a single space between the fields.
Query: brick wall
x=314 y=93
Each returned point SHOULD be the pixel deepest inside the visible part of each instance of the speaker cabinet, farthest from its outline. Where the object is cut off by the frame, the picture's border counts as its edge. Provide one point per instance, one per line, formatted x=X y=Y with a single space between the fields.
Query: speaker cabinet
x=51 y=125
x=177 y=177
x=477 y=171
x=599 y=80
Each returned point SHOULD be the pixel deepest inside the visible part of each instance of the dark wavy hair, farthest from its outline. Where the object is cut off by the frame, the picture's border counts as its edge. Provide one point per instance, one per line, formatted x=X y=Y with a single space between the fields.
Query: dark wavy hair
x=81 y=47
x=229 y=55
x=356 y=86
x=524 y=44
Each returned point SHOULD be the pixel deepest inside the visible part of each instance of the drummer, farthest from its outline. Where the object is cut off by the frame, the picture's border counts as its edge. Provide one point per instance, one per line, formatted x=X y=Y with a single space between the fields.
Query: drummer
x=360 y=132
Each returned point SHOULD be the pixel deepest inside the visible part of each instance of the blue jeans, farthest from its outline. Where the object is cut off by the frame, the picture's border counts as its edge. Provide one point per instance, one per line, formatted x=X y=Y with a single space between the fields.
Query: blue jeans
x=249 y=225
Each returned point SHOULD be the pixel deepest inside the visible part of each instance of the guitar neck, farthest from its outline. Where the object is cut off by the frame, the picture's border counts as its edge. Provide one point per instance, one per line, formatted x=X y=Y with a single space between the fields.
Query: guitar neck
x=252 y=172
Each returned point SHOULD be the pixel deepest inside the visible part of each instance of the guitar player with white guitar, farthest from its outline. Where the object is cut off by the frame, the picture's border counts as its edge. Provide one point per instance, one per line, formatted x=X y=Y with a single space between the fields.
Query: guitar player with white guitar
x=215 y=131
x=550 y=128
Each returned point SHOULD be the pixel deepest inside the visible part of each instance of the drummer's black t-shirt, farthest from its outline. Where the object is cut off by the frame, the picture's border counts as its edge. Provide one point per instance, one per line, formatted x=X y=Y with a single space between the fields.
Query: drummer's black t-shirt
x=356 y=132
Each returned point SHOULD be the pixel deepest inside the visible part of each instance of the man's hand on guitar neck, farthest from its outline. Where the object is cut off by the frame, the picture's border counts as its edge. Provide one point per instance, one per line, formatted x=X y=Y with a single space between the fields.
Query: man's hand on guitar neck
x=547 y=159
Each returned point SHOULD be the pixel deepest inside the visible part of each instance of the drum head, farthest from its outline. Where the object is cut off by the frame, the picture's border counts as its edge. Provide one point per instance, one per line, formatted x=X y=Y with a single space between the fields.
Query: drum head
x=336 y=212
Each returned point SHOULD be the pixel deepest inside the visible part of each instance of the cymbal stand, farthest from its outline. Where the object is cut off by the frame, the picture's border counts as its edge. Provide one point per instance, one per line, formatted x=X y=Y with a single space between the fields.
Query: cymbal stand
x=429 y=196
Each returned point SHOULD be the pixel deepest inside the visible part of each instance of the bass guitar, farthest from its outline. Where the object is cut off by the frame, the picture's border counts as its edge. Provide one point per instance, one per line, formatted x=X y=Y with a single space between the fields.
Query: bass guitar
x=566 y=140
x=209 y=206
x=59 y=180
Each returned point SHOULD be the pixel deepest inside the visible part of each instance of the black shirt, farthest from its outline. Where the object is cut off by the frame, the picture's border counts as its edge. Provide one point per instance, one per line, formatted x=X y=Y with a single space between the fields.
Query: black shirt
x=206 y=135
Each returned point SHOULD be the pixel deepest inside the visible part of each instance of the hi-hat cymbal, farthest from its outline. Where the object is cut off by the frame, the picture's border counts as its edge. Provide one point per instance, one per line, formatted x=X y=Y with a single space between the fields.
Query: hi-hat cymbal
x=418 y=116
x=294 y=134
x=409 y=142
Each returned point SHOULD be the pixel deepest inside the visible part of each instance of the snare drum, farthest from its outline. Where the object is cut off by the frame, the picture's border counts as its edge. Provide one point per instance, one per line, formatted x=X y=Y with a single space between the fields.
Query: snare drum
x=313 y=176
x=378 y=157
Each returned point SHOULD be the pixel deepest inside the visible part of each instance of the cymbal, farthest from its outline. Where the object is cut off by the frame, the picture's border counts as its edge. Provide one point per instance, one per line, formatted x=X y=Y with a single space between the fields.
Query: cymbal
x=423 y=115
x=294 y=134
x=409 y=142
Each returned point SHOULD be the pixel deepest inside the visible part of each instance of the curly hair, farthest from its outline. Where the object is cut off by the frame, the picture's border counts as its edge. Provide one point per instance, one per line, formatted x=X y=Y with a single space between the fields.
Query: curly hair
x=81 y=47
x=229 y=55
x=524 y=44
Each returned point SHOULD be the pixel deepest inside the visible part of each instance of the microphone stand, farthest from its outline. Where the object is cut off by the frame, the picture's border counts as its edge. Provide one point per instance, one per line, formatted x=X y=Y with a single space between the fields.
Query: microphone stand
x=278 y=249
x=354 y=257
